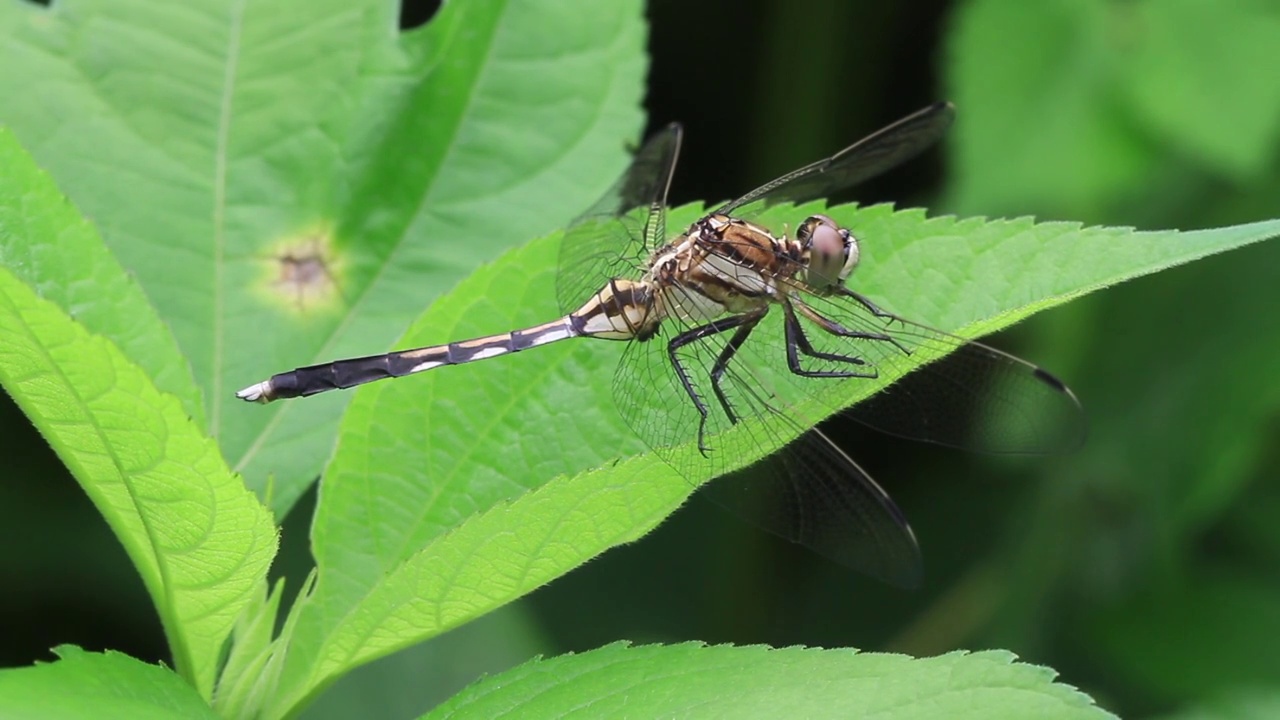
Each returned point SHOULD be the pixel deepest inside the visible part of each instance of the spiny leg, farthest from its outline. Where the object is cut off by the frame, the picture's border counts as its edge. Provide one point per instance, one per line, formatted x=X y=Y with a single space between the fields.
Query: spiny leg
x=726 y=355
x=798 y=342
x=866 y=303
x=693 y=335
x=835 y=328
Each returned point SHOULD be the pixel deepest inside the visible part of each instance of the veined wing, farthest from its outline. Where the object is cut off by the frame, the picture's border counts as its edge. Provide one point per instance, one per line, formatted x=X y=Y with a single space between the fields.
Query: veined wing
x=805 y=490
x=944 y=389
x=616 y=235
x=966 y=394
x=861 y=161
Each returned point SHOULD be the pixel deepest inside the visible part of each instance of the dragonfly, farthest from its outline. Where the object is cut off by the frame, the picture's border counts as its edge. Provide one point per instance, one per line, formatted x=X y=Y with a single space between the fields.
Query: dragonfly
x=741 y=339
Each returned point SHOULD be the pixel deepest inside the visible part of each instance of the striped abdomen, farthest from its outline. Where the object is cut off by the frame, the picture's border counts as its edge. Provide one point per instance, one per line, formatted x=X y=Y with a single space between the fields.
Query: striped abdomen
x=343 y=374
x=622 y=310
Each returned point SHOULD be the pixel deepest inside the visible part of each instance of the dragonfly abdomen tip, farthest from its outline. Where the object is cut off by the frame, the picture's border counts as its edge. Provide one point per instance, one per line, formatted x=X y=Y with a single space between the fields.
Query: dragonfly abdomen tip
x=258 y=392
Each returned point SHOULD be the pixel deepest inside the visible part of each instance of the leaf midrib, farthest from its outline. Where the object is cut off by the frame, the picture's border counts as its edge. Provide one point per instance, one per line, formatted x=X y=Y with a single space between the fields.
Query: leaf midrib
x=326 y=350
x=183 y=660
x=225 y=104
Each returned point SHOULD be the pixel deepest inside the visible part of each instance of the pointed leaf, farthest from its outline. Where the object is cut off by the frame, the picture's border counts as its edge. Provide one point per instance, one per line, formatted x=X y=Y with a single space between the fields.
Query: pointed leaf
x=759 y=682
x=1056 y=113
x=200 y=540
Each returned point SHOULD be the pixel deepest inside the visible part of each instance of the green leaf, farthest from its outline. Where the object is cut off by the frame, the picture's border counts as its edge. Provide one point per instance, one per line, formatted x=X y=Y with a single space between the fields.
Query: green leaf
x=1035 y=126
x=405 y=684
x=49 y=245
x=199 y=539
x=485 y=563
x=411 y=536
x=249 y=672
x=93 y=685
x=294 y=181
x=748 y=682
x=1064 y=104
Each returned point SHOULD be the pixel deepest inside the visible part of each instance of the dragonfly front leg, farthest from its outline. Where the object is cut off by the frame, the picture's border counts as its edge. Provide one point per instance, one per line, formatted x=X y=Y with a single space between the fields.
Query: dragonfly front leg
x=865 y=302
x=835 y=328
x=798 y=342
x=744 y=325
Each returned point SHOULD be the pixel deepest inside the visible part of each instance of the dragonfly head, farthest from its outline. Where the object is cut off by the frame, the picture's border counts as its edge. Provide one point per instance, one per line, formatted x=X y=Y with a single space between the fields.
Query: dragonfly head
x=833 y=251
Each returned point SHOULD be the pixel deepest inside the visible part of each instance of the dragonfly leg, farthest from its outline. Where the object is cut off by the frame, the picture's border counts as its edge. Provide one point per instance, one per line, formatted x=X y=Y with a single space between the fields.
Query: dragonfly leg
x=865 y=302
x=874 y=309
x=700 y=333
x=798 y=342
x=726 y=355
x=835 y=328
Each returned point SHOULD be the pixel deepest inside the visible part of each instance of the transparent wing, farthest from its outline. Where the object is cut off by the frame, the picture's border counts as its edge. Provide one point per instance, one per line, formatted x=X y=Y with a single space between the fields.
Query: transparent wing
x=616 y=235
x=965 y=394
x=781 y=373
x=812 y=493
x=809 y=492
x=861 y=161
x=968 y=395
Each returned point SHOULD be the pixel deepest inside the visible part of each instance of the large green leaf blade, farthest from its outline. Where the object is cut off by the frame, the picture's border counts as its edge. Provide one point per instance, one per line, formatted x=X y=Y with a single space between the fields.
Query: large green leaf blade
x=92 y=685
x=758 y=682
x=505 y=156
x=1225 y=113
x=410 y=516
x=485 y=563
x=199 y=539
x=294 y=181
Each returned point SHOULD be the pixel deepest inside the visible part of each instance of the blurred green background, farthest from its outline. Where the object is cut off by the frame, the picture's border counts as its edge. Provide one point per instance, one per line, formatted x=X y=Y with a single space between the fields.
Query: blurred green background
x=1145 y=568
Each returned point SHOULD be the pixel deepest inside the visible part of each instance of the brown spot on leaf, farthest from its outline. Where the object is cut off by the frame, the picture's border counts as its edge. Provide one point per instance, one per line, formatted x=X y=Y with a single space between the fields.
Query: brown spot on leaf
x=304 y=273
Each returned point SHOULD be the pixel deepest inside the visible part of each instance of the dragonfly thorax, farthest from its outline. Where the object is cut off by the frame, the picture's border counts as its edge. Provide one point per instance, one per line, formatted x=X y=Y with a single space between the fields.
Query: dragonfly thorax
x=720 y=266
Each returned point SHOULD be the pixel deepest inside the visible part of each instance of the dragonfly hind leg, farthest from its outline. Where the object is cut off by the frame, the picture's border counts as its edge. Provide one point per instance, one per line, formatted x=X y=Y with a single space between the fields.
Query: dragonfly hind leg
x=744 y=324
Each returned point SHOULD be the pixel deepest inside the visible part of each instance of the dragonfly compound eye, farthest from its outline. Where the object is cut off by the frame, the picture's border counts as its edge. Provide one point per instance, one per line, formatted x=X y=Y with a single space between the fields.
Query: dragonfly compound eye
x=832 y=251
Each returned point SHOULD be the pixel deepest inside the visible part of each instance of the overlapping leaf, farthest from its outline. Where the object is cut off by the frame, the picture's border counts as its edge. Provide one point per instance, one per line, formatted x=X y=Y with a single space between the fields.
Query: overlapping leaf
x=199 y=539
x=294 y=181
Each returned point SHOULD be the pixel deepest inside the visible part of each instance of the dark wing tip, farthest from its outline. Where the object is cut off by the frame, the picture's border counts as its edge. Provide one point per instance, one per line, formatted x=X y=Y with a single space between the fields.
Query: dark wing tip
x=1052 y=381
x=1074 y=423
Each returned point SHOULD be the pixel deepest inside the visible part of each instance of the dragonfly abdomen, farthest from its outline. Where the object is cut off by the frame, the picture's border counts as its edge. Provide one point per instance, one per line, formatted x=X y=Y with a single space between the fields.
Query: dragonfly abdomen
x=621 y=310
x=342 y=374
